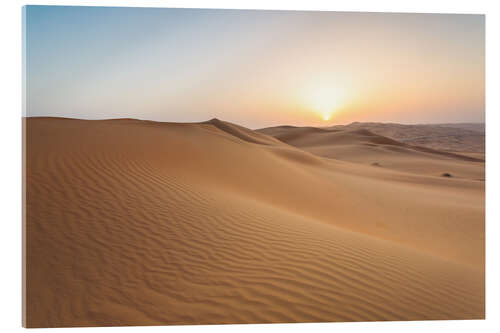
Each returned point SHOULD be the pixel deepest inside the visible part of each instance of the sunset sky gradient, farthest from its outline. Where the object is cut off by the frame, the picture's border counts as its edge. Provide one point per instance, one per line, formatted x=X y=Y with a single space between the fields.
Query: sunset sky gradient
x=254 y=68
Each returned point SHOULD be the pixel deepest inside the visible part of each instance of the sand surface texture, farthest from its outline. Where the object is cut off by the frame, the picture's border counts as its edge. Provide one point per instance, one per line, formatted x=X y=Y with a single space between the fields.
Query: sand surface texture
x=461 y=137
x=134 y=222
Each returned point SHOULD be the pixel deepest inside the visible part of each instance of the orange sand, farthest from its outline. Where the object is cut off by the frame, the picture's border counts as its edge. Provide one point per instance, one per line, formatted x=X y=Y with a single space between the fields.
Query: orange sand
x=134 y=222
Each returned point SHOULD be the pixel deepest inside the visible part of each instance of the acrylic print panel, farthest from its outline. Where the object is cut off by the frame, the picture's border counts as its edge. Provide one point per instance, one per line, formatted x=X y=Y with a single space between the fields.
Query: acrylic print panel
x=197 y=166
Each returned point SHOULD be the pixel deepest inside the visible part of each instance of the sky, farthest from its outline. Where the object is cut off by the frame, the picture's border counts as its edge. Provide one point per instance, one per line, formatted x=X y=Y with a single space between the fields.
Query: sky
x=254 y=68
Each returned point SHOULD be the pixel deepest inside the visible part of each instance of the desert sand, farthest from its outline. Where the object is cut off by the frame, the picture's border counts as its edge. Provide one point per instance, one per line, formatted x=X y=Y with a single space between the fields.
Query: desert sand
x=461 y=137
x=132 y=222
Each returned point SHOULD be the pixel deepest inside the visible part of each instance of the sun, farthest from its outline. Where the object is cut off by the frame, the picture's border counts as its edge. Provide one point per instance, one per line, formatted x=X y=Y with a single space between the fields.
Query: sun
x=324 y=102
x=324 y=99
x=325 y=108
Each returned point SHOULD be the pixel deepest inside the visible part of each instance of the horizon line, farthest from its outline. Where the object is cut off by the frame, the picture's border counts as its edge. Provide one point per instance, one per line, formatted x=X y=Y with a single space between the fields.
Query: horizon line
x=282 y=125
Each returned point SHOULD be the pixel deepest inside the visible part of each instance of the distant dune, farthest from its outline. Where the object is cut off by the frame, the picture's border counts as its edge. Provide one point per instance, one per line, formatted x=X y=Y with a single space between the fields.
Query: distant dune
x=462 y=137
x=135 y=222
x=355 y=143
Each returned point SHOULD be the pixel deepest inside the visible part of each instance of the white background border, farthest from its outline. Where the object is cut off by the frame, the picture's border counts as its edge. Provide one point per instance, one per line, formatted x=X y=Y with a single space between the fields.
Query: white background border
x=10 y=131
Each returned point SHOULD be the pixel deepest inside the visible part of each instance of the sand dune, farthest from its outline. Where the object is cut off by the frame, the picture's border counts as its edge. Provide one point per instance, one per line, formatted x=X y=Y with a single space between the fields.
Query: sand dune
x=461 y=137
x=135 y=222
x=366 y=147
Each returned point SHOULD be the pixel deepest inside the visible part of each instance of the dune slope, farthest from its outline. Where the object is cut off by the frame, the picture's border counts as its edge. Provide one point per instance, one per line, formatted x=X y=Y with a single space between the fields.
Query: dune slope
x=134 y=222
x=460 y=137
x=361 y=145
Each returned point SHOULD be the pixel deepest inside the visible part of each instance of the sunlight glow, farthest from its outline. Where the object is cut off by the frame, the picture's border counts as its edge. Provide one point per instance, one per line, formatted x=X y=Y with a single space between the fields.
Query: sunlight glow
x=324 y=101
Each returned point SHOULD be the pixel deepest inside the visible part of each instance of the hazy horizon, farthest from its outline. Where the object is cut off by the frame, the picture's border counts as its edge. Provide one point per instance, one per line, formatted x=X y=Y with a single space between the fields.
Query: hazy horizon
x=255 y=68
x=329 y=124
